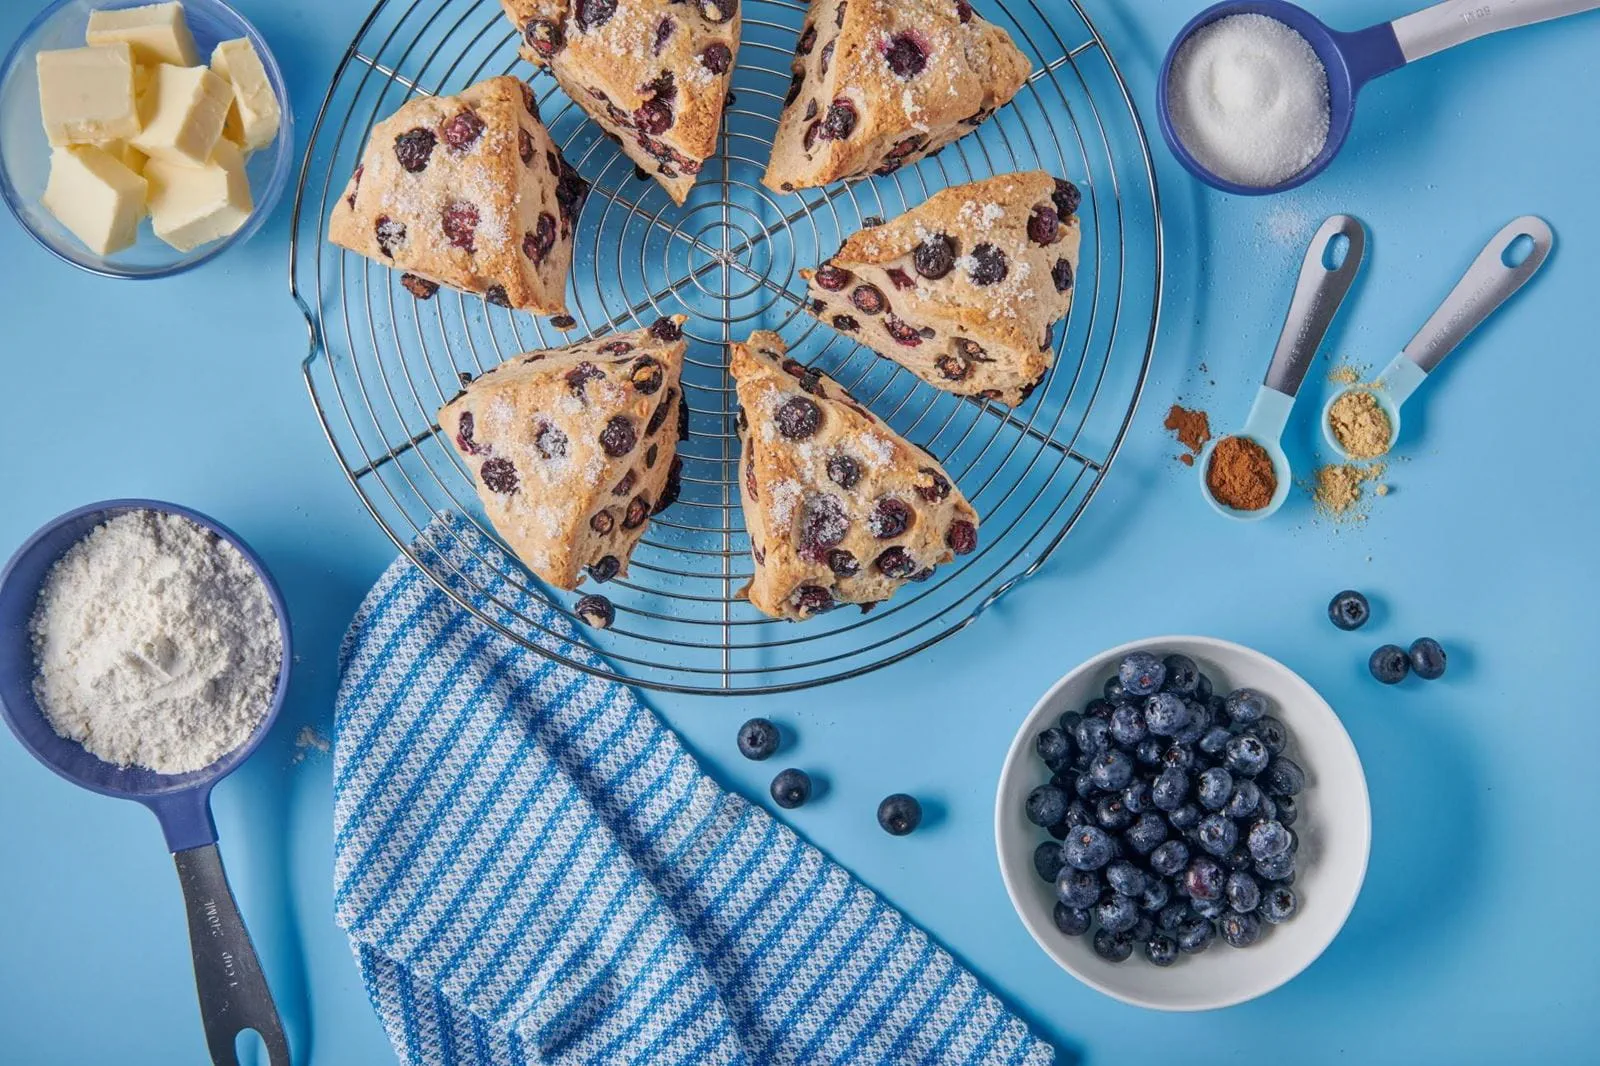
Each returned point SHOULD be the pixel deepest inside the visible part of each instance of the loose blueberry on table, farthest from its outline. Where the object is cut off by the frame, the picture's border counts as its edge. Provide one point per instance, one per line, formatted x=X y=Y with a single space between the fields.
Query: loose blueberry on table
x=1172 y=805
x=899 y=814
x=1349 y=610
x=758 y=739
x=791 y=788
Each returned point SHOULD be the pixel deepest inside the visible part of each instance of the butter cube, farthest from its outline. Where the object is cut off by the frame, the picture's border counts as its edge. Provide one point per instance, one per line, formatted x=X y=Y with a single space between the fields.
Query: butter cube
x=253 y=118
x=96 y=197
x=191 y=206
x=157 y=33
x=183 y=111
x=127 y=155
x=86 y=95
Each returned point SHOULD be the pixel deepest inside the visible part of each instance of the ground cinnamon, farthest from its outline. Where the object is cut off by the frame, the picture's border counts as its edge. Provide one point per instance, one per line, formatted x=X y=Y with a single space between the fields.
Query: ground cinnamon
x=1240 y=475
x=1192 y=428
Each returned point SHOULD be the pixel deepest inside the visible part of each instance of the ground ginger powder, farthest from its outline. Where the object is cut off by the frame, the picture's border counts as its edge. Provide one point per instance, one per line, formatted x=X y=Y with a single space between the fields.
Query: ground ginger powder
x=1360 y=425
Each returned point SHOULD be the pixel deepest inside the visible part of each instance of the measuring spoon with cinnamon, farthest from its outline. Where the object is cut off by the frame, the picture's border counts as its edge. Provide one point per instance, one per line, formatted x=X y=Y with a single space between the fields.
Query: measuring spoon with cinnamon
x=1330 y=267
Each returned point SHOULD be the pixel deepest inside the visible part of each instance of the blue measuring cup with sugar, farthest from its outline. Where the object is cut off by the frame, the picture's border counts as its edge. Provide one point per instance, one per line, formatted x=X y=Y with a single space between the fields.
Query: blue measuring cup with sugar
x=232 y=989
x=1353 y=59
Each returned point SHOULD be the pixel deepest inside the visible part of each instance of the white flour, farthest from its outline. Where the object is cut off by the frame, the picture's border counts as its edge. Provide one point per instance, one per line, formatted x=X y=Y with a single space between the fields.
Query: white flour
x=157 y=644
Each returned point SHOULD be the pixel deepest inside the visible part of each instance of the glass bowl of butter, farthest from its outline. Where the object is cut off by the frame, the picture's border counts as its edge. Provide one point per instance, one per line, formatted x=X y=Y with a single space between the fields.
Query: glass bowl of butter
x=139 y=140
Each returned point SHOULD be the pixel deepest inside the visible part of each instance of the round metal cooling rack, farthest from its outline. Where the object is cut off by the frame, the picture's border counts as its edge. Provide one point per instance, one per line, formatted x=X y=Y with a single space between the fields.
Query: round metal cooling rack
x=383 y=363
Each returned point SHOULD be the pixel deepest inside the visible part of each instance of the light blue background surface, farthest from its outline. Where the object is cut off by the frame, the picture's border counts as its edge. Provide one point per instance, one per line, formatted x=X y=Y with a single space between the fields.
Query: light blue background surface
x=1484 y=785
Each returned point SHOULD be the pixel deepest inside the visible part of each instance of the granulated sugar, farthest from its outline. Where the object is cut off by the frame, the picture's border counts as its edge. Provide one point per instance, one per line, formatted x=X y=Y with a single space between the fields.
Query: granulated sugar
x=1249 y=99
x=157 y=644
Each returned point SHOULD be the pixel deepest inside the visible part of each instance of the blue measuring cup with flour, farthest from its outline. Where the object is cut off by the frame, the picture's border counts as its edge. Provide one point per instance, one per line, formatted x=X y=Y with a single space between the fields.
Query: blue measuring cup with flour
x=1258 y=96
x=232 y=990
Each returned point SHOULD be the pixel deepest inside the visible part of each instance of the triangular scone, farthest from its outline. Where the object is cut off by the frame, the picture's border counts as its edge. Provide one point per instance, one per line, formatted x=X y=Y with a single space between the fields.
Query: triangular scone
x=467 y=191
x=653 y=73
x=839 y=507
x=879 y=84
x=573 y=449
x=964 y=290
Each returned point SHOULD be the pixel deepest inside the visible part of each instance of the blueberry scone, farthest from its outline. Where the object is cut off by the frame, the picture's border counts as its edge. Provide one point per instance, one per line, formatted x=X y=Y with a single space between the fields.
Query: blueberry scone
x=963 y=291
x=879 y=84
x=573 y=449
x=467 y=191
x=653 y=73
x=839 y=507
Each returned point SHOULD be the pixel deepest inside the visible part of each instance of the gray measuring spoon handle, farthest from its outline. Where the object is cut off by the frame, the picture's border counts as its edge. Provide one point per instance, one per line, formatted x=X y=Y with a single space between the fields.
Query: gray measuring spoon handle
x=1317 y=297
x=1433 y=29
x=1488 y=283
x=227 y=974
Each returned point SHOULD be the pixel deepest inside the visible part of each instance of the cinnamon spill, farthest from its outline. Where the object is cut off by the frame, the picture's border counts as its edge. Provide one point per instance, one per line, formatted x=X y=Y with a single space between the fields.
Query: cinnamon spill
x=1191 y=428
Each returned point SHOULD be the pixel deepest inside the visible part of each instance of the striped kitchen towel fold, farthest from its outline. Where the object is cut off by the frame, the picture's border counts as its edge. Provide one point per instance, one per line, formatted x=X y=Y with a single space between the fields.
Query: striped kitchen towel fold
x=532 y=869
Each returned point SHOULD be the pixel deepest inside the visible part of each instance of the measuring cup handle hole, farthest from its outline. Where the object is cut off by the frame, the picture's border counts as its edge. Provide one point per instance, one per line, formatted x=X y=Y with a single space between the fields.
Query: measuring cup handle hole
x=1517 y=251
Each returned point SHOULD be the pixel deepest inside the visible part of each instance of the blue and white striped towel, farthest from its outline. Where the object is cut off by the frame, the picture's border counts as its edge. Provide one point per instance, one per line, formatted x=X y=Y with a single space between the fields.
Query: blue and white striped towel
x=532 y=869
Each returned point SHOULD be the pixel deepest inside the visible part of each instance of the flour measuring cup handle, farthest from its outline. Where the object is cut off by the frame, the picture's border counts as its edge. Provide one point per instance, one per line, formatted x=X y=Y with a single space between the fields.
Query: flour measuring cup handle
x=1433 y=29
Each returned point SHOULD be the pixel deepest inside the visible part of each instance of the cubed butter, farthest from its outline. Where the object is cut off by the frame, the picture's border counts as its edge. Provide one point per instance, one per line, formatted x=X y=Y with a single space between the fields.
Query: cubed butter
x=183 y=111
x=86 y=95
x=191 y=206
x=253 y=118
x=157 y=33
x=127 y=155
x=96 y=197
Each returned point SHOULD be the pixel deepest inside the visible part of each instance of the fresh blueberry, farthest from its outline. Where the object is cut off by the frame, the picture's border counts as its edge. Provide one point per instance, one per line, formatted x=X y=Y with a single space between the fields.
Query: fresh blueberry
x=899 y=814
x=1171 y=788
x=1083 y=785
x=1053 y=747
x=1390 y=664
x=1240 y=930
x=1183 y=676
x=1170 y=858
x=1087 y=848
x=1125 y=878
x=1177 y=757
x=1210 y=909
x=1093 y=736
x=1141 y=674
x=1111 y=815
x=1238 y=860
x=1194 y=935
x=1283 y=777
x=1278 y=904
x=1349 y=610
x=1288 y=810
x=1114 y=692
x=1165 y=714
x=1117 y=913
x=1242 y=892
x=1245 y=705
x=1216 y=785
x=1272 y=733
x=1111 y=947
x=1245 y=801
x=1147 y=833
x=1246 y=755
x=1047 y=860
x=758 y=739
x=1427 y=659
x=1078 y=813
x=1111 y=770
x=1148 y=752
x=1078 y=888
x=1199 y=722
x=1267 y=839
x=1203 y=879
x=1156 y=895
x=1073 y=921
x=1095 y=708
x=1136 y=797
x=1172 y=915
x=1218 y=835
x=1279 y=867
x=1127 y=725
x=1046 y=806
x=791 y=788
x=1214 y=740
x=1203 y=689
x=1187 y=816
x=1161 y=950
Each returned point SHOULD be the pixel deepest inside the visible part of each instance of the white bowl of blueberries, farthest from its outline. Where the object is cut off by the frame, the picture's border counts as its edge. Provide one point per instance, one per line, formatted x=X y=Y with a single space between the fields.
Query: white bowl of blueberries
x=1182 y=823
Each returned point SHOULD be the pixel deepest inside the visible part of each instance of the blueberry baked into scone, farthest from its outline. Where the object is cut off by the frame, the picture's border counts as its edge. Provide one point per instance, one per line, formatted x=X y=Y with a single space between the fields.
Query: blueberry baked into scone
x=467 y=191
x=653 y=73
x=878 y=84
x=965 y=290
x=839 y=507
x=573 y=449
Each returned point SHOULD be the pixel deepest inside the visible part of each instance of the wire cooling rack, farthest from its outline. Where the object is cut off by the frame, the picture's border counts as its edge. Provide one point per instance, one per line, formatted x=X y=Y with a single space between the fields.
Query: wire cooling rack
x=382 y=363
